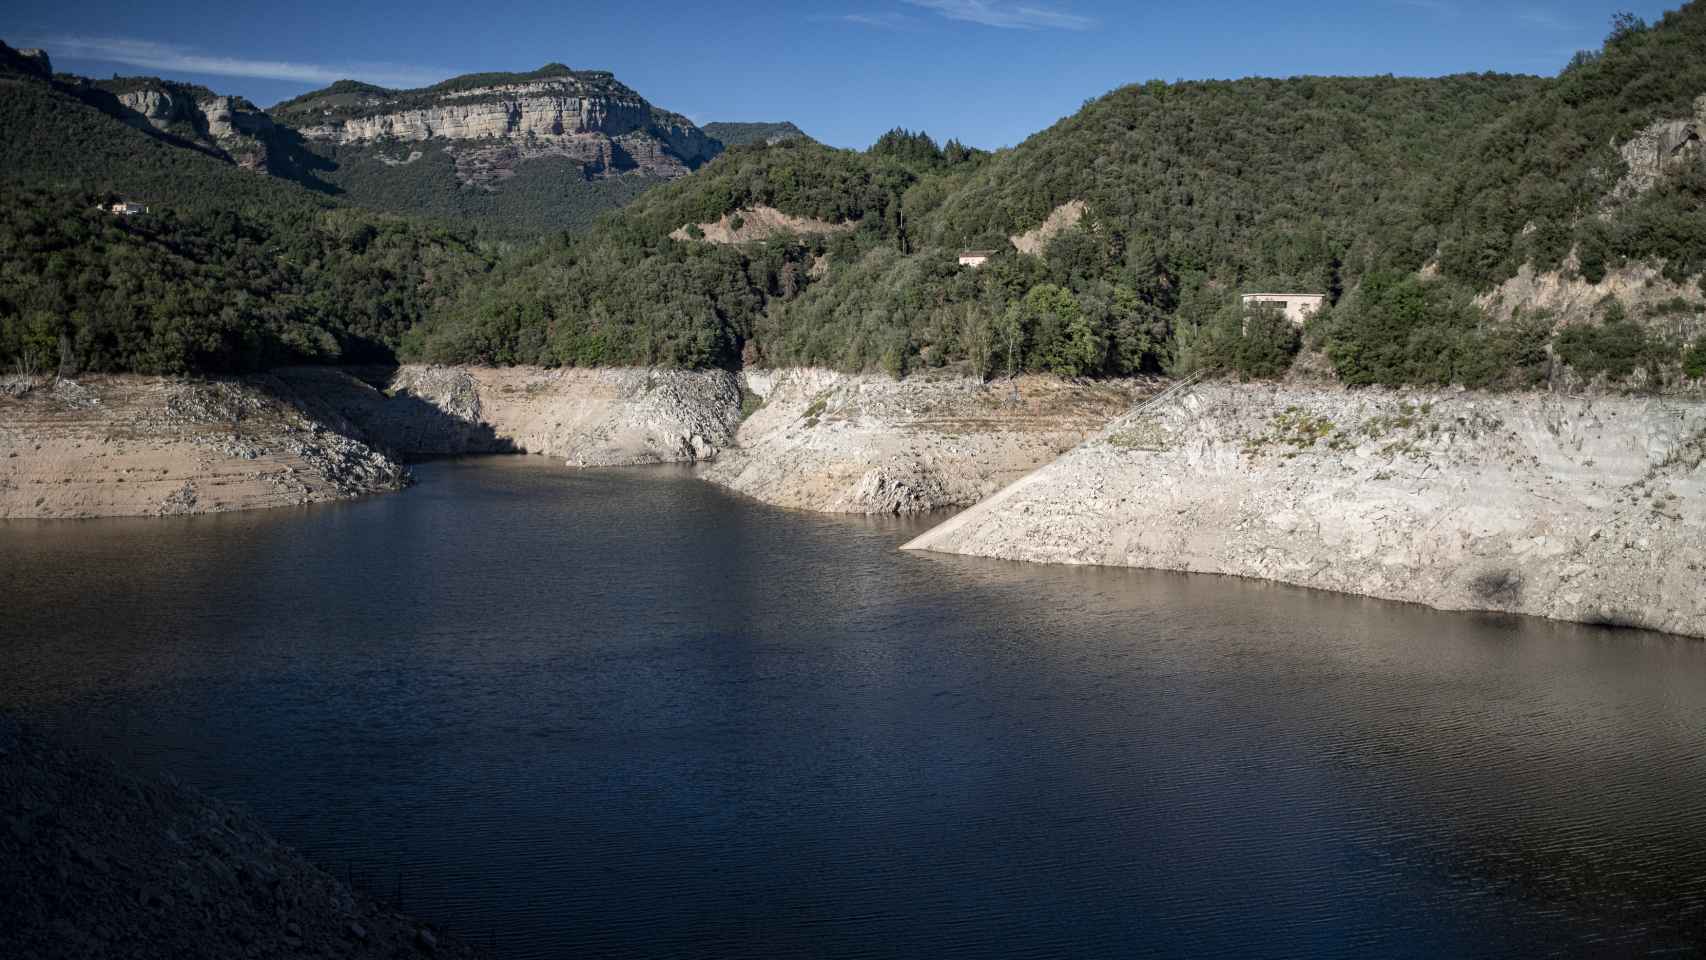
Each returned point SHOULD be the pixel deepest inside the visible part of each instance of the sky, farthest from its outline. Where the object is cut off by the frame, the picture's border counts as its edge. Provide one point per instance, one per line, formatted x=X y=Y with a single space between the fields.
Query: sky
x=988 y=72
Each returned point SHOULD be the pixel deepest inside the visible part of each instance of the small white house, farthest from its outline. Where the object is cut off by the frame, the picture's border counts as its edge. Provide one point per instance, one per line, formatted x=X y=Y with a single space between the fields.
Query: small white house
x=128 y=208
x=975 y=258
x=1297 y=307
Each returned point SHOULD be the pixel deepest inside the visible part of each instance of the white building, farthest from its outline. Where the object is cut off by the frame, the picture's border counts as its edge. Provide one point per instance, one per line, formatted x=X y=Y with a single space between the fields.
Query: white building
x=975 y=258
x=1297 y=306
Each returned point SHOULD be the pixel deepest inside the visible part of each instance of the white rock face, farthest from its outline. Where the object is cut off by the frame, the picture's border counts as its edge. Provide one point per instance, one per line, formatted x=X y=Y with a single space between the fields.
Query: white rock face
x=759 y=223
x=539 y=116
x=1061 y=219
x=598 y=417
x=1658 y=150
x=1574 y=509
x=229 y=127
x=495 y=127
x=843 y=443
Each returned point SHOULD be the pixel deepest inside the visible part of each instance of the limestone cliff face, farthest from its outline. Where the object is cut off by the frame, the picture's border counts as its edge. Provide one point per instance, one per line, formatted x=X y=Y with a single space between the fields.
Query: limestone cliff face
x=585 y=116
x=230 y=127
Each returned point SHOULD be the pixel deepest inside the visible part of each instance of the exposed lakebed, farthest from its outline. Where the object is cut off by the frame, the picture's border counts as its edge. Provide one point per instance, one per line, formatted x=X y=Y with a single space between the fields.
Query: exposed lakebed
x=622 y=712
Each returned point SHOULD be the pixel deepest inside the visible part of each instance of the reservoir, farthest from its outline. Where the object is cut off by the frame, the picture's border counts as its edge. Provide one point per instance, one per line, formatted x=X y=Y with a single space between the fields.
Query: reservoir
x=622 y=713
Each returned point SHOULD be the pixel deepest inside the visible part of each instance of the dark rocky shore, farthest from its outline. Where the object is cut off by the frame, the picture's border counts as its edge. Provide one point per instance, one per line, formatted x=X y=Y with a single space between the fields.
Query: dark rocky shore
x=96 y=862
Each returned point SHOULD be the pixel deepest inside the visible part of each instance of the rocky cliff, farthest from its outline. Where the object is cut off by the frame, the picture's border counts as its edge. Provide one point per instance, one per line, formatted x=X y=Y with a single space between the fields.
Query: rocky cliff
x=229 y=127
x=490 y=122
x=1587 y=509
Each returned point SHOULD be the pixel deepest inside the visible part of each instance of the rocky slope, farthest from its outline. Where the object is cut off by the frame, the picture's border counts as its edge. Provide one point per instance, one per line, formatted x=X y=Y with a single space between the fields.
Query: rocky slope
x=491 y=122
x=753 y=224
x=1588 y=509
x=228 y=127
x=843 y=443
x=140 y=446
x=97 y=863
x=585 y=417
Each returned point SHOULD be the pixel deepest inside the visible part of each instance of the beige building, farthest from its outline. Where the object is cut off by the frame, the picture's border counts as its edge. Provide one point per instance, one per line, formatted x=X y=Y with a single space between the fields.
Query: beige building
x=128 y=208
x=1297 y=306
x=975 y=258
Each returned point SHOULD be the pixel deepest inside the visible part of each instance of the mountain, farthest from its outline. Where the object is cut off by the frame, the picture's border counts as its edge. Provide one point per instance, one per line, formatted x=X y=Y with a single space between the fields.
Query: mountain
x=547 y=149
x=157 y=141
x=747 y=134
x=229 y=269
x=519 y=154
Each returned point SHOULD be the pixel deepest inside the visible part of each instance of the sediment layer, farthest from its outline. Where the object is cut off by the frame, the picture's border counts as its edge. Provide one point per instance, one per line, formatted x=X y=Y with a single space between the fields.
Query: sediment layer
x=1583 y=509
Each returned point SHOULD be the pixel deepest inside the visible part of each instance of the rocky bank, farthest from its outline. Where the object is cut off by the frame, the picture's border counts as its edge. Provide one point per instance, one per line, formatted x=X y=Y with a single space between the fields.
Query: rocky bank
x=142 y=446
x=586 y=418
x=843 y=443
x=95 y=862
x=1574 y=508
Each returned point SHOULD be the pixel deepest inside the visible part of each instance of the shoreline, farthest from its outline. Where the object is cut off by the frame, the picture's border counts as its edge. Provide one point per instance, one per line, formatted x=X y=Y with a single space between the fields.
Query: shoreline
x=1580 y=510
x=1583 y=509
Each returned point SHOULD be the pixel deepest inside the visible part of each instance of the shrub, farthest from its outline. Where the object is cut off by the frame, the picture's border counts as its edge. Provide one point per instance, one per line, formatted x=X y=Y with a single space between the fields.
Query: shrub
x=1694 y=361
x=1613 y=348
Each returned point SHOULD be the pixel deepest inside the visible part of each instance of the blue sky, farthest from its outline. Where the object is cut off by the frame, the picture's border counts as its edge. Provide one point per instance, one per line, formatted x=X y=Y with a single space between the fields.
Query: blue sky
x=990 y=72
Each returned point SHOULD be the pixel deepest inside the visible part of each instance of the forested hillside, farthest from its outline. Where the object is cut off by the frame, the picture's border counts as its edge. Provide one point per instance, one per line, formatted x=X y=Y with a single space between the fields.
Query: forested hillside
x=1195 y=192
x=1405 y=201
x=229 y=270
x=748 y=134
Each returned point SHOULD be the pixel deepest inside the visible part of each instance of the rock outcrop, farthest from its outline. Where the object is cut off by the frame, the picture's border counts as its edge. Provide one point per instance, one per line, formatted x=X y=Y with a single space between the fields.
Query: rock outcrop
x=231 y=128
x=842 y=443
x=1677 y=311
x=1061 y=219
x=1585 y=509
x=29 y=61
x=492 y=121
x=1659 y=150
x=96 y=862
x=139 y=446
x=750 y=224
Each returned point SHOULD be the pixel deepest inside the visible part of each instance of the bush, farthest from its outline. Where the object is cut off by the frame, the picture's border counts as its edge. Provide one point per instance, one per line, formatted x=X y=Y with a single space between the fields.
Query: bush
x=1614 y=348
x=1256 y=343
x=1398 y=329
x=1694 y=361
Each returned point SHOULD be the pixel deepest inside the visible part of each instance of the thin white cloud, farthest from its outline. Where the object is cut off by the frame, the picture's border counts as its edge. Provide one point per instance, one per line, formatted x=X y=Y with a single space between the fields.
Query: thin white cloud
x=881 y=21
x=1007 y=15
x=173 y=59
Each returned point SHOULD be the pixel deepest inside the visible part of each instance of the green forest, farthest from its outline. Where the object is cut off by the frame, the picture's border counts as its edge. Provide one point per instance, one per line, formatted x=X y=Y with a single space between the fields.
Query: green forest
x=1195 y=192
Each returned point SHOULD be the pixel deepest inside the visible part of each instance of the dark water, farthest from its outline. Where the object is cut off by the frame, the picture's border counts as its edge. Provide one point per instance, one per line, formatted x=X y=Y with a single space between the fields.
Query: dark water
x=624 y=714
